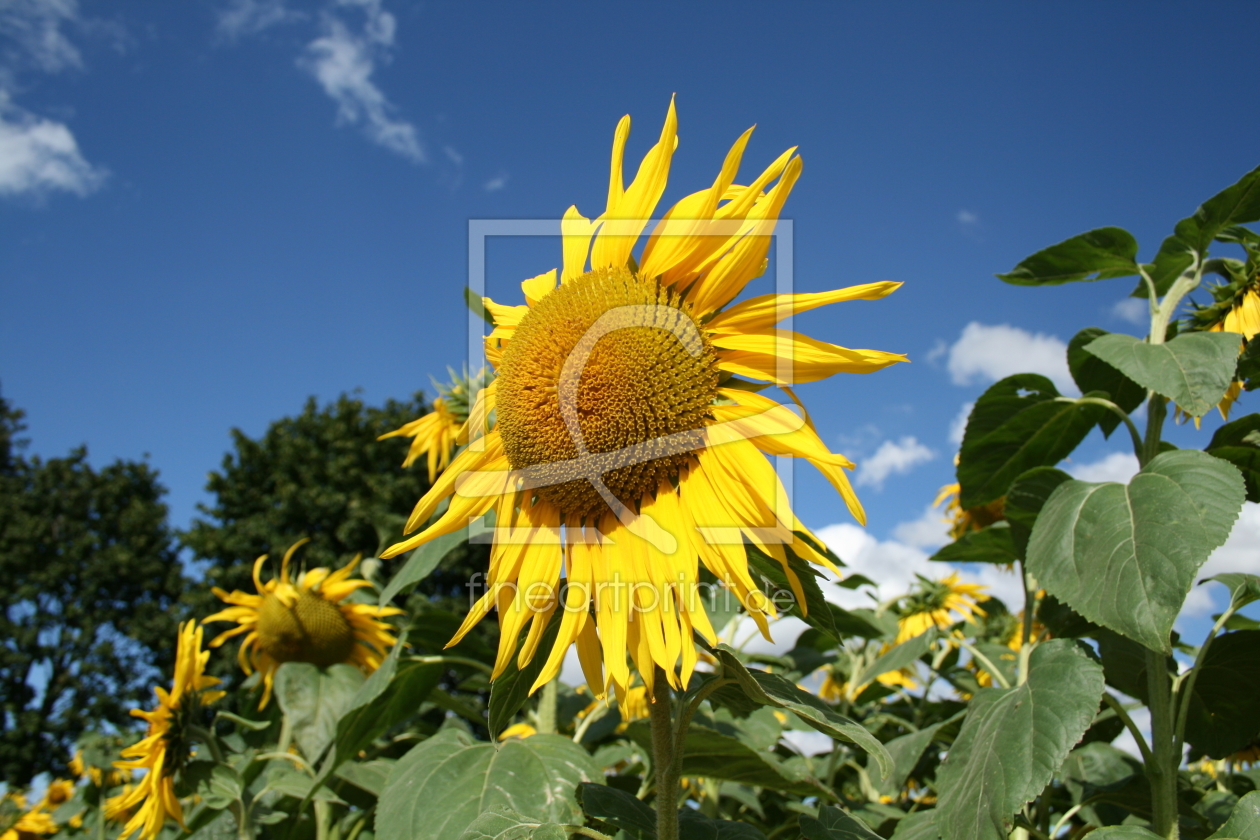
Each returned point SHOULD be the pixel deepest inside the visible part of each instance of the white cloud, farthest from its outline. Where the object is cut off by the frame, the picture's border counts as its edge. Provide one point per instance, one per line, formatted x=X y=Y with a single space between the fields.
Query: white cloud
x=34 y=26
x=1133 y=311
x=1118 y=466
x=986 y=354
x=497 y=183
x=38 y=155
x=241 y=18
x=966 y=217
x=929 y=531
x=343 y=62
x=892 y=458
x=1240 y=553
x=958 y=426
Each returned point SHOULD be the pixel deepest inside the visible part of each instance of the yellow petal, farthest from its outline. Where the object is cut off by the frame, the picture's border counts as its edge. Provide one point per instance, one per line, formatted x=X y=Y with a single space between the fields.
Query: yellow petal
x=763 y=312
x=757 y=355
x=536 y=288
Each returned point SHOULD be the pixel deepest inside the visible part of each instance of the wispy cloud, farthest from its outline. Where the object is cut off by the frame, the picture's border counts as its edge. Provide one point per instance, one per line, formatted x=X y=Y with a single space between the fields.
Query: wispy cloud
x=39 y=155
x=986 y=353
x=958 y=426
x=242 y=18
x=496 y=183
x=892 y=458
x=966 y=217
x=343 y=60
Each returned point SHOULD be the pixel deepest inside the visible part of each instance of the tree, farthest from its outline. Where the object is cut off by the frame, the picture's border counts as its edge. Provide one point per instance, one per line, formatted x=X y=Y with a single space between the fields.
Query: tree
x=90 y=599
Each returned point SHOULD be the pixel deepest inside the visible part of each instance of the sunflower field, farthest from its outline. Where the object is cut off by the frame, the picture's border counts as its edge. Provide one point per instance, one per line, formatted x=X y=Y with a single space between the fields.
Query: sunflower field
x=609 y=483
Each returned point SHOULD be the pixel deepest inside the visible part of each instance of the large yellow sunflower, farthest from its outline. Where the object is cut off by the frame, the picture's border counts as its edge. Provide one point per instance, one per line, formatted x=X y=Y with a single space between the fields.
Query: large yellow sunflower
x=437 y=433
x=629 y=439
x=167 y=745
x=304 y=621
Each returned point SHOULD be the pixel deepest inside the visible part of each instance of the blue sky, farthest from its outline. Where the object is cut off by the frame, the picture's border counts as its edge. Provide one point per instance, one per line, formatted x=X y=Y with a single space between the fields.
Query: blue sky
x=211 y=210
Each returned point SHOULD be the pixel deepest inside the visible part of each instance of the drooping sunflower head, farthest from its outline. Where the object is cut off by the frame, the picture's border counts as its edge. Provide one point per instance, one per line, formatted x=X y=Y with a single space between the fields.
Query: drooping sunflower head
x=304 y=619
x=630 y=439
x=1235 y=307
x=168 y=743
x=963 y=522
x=939 y=604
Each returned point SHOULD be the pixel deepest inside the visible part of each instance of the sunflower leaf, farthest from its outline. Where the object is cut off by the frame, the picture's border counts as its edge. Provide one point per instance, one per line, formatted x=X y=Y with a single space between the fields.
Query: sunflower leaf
x=1225 y=703
x=313 y=700
x=1236 y=443
x=438 y=789
x=1098 y=254
x=510 y=691
x=1091 y=373
x=834 y=824
x=1016 y=425
x=1025 y=499
x=1051 y=711
x=1243 y=822
x=1193 y=369
x=988 y=545
x=1125 y=556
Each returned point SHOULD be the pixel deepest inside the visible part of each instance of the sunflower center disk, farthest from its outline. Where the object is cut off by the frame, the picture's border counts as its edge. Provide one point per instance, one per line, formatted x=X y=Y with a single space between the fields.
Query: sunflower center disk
x=623 y=360
x=313 y=630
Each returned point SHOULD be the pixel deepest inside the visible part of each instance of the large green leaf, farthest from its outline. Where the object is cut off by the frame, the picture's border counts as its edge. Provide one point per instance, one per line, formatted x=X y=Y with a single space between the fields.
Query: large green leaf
x=506 y=824
x=1239 y=443
x=1244 y=822
x=1024 y=501
x=1014 y=740
x=773 y=690
x=898 y=657
x=906 y=752
x=369 y=776
x=390 y=695
x=1243 y=588
x=834 y=824
x=217 y=784
x=1016 y=425
x=988 y=545
x=1094 y=255
x=1093 y=374
x=920 y=825
x=713 y=754
x=696 y=826
x=440 y=787
x=1193 y=369
x=1224 y=713
x=510 y=691
x=816 y=611
x=1125 y=556
x=629 y=813
x=313 y=700
x=1124 y=663
x=1235 y=205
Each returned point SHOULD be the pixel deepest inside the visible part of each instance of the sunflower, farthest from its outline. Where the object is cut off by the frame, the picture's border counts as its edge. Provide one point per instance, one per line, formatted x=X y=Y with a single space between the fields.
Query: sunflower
x=100 y=777
x=166 y=746
x=629 y=439
x=1236 y=306
x=304 y=621
x=19 y=823
x=938 y=604
x=835 y=687
x=962 y=522
x=446 y=426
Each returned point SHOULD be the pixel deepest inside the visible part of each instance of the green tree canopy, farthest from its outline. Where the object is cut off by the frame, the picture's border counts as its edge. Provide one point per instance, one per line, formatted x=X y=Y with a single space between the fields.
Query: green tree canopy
x=90 y=599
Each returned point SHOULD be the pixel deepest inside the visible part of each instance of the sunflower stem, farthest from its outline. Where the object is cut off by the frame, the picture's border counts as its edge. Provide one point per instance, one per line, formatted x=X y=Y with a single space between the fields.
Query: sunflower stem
x=661 y=719
x=1162 y=772
x=548 y=700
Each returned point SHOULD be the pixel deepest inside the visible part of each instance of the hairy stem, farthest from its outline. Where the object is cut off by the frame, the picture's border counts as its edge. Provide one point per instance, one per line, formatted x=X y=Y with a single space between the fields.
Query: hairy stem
x=1162 y=772
x=663 y=765
x=548 y=700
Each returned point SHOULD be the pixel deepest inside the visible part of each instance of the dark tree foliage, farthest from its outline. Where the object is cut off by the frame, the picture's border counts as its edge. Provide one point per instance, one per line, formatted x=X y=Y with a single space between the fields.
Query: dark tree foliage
x=91 y=588
x=323 y=474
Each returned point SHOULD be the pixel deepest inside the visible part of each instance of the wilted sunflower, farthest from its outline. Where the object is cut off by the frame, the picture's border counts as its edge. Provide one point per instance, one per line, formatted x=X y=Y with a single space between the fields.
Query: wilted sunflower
x=304 y=621
x=627 y=446
x=437 y=433
x=962 y=522
x=938 y=603
x=166 y=747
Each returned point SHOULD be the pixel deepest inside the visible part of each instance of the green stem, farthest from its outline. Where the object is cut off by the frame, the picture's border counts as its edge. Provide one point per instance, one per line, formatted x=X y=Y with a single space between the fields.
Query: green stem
x=1156 y=411
x=548 y=700
x=998 y=676
x=1162 y=772
x=1115 y=409
x=1030 y=602
x=663 y=765
x=322 y=814
x=206 y=737
x=453 y=660
x=583 y=831
x=244 y=826
x=1121 y=713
